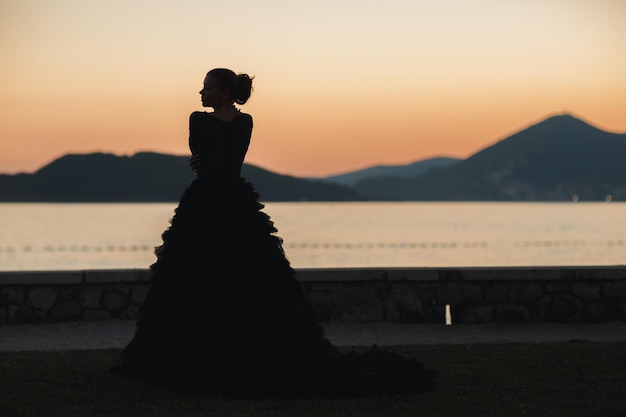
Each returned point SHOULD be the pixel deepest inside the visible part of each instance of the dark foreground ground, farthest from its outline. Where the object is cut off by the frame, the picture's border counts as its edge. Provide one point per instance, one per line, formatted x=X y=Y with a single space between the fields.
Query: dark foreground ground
x=112 y=334
x=566 y=378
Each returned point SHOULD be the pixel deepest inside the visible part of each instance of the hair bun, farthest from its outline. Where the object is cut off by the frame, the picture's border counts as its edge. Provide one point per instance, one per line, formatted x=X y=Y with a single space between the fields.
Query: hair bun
x=243 y=88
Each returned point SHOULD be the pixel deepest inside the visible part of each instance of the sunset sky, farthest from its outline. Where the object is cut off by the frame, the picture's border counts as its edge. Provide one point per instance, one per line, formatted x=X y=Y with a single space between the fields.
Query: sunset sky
x=340 y=84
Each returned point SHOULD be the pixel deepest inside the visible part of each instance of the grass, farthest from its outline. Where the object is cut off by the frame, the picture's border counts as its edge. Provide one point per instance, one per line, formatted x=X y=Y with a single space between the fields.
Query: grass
x=561 y=379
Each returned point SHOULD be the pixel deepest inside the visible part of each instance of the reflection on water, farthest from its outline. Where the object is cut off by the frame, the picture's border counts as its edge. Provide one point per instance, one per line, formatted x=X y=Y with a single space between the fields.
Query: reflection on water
x=93 y=236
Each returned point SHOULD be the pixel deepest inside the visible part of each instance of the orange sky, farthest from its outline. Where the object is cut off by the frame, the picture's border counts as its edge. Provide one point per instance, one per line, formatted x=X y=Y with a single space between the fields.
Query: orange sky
x=339 y=85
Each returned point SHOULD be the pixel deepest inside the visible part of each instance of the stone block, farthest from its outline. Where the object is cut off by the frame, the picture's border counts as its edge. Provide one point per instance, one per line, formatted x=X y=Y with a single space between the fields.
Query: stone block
x=341 y=274
x=585 y=291
x=512 y=313
x=541 y=310
x=494 y=274
x=558 y=287
x=499 y=274
x=496 y=292
x=325 y=313
x=452 y=274
x=143 y=275
x=42 y=298
x=413 y=274
x=601 y=273
x=11 y=311
x=68 y=293
x=27 y=315
x=114 y=300
x=110 y=276
x=96 y=315
x=614 y=291
x=90 y=297
x=437 y=314
x=528 y=293
x=538 y=274
x=459 y=293
x=359 y=303
x=322 y=297
x=547 y=273
x=139 y=293
x=350 y=294
x=403 y=305
x=66 y=310
x=472 y=315
x=16 y=295
x=360 y=314
x=567 y=309
x=622 y=311
x=130 y=313
x=601 y=312
x=40 y=277
x=568 y=274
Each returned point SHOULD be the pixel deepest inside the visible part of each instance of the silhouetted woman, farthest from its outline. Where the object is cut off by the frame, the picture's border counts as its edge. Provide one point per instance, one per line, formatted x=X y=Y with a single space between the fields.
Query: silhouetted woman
x=225 y=314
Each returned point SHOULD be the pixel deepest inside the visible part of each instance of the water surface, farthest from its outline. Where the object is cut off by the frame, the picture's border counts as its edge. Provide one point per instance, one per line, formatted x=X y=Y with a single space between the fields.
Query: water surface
x=36 y=236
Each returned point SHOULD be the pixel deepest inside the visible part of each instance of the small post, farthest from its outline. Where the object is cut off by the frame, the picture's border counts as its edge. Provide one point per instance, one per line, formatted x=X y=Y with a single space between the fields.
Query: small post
x=448 y=315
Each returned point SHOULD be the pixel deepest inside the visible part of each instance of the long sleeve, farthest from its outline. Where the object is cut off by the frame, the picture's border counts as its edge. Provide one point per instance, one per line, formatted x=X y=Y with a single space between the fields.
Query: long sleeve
x=222 y=145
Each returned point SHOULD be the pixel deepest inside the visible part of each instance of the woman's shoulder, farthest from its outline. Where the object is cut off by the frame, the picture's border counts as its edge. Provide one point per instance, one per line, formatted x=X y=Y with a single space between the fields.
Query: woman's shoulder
x=198 y=115
x=203 y=116
x=247 y=118
x=244 y=115
x=198 y=119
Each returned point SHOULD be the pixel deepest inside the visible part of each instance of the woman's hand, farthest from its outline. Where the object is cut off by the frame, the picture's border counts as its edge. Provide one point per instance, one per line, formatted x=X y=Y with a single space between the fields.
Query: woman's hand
x=194 y=162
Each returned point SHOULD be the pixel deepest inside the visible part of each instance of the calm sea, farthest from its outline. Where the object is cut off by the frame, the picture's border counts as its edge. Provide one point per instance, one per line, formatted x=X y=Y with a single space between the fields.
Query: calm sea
x=317 y=235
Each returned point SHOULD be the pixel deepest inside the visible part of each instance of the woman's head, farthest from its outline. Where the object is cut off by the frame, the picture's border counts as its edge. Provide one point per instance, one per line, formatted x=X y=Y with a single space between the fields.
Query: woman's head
x=223 y=84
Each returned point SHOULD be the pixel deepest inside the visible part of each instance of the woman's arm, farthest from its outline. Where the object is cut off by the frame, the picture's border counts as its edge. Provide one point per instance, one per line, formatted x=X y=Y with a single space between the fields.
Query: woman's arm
x=194 y=162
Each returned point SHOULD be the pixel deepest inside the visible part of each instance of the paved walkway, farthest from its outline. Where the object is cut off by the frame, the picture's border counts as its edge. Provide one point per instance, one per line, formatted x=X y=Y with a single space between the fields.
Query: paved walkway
x=117 y=333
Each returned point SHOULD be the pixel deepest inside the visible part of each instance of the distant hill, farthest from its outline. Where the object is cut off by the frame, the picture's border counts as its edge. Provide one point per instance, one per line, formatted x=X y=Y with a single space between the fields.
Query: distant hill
x=391 y=171
x=146 y=176
x=553 y=160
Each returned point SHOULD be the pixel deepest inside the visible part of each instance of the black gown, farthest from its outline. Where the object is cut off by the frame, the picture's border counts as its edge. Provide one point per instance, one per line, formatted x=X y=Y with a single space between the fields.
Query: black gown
x=225 y=314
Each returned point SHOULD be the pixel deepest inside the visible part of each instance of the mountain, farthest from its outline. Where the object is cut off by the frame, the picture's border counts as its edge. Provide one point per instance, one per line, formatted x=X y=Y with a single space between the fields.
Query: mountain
x=557 y=159
x=391 y=171
x=146 y=176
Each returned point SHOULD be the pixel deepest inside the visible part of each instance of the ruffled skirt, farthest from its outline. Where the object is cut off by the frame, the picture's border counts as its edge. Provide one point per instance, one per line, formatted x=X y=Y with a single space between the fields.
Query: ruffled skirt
x=225 y=314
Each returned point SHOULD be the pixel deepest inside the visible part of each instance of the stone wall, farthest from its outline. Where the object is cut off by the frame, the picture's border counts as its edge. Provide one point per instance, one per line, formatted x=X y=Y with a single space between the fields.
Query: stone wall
x=415 y=295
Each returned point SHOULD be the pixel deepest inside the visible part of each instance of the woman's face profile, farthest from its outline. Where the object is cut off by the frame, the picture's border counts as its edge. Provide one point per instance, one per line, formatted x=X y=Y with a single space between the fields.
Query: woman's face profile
x=211 y=94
